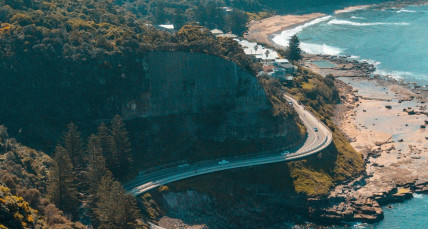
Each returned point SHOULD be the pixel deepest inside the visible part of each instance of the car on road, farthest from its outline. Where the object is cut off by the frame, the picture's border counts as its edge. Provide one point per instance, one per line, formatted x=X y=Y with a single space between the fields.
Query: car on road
x=315 y=129
x=183 y=165
x=291 y=103
x=285 y=153
x=223 y=162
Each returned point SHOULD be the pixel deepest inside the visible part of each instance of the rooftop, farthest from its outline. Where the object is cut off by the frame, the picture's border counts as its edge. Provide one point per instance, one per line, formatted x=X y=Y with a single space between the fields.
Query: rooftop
x=167 y=26
x=229 y=35
x=281 y=61
x=216 y=31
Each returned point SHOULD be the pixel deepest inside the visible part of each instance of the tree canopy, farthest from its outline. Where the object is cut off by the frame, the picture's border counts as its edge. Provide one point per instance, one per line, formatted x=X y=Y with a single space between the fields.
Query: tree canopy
x=294 y=53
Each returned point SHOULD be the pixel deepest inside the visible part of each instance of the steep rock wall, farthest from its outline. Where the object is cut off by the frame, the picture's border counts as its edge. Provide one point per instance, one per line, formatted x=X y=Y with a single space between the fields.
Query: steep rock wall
x=192 y=101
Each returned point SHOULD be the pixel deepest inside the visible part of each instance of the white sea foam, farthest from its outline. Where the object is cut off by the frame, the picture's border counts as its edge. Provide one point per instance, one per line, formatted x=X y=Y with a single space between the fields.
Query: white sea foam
x=284 y=37
x=344 y=22
x=356 y=17
x=406 y=11
x=354 y=57
x=373 y=62
x=418 y=196
x=398 y=75
x=320 y=49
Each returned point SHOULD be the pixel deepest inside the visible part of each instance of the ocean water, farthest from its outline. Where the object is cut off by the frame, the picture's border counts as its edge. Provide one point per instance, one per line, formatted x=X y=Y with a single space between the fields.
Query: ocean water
x=395 y=40
x=410 y=214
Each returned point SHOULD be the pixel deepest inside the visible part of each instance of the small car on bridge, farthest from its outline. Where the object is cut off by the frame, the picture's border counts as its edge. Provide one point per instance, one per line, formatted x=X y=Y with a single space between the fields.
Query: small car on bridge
x=285 y=153
x=223 y=162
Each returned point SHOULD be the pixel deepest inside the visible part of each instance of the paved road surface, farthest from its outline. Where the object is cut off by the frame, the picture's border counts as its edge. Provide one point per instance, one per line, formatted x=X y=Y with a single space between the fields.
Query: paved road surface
x=315 y=142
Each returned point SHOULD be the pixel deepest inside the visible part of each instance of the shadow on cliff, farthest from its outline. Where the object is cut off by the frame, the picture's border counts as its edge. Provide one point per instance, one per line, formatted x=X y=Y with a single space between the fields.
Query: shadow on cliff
x=258 y=196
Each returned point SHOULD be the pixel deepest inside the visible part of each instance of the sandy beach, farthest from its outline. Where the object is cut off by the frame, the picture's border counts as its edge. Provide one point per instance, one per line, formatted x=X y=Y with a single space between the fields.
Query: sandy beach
x=261 y=30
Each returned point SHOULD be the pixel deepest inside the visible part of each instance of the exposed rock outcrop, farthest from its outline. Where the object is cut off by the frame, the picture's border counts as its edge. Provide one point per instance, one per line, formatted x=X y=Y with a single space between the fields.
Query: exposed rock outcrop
x=196 y=101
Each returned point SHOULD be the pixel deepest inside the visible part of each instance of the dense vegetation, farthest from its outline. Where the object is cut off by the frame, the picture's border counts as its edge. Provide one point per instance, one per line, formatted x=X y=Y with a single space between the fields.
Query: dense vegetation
x=76 y=183
x=212 y=14
x=24 y=175
x=80 y=61
x=229 y=15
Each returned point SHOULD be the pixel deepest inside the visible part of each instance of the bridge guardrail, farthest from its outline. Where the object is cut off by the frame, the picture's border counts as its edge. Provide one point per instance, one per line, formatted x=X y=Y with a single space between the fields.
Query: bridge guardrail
x=163 y=170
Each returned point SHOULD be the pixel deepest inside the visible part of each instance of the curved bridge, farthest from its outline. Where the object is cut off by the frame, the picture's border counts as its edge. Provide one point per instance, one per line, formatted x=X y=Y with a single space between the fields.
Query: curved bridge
x=319 y=137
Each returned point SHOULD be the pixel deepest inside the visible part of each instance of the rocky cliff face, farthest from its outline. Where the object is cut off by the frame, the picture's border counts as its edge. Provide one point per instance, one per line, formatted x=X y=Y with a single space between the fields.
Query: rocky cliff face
x=191 y=101
x=178 y=82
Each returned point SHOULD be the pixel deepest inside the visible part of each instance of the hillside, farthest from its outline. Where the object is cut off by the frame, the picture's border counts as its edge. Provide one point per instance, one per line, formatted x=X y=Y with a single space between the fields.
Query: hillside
x=230 y=16
x=23 y=183
x=71 y=70
x=89 y=64
x=267 y=194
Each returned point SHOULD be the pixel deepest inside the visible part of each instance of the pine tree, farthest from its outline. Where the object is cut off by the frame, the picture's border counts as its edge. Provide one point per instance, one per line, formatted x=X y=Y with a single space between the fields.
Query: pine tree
x=114 y=208
x=96 y=162
x=61 y=186
x=74 y=146
x=107 y=145
x=294 y=53
x=122 y=147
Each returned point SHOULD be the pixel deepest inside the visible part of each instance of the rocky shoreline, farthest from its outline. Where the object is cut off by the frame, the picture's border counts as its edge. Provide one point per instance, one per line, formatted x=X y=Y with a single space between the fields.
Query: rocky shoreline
x=395 y=167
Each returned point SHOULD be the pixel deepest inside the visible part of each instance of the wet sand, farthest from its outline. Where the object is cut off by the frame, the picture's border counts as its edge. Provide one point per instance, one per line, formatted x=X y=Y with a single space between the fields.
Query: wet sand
x=261 y=30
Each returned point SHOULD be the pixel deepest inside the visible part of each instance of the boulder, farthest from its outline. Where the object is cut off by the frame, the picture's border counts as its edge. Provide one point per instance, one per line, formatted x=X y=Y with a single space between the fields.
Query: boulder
x=411 y=112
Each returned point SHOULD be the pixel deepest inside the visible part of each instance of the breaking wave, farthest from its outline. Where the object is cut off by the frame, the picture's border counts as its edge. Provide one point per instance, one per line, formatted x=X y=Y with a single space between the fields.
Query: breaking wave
x=284 y=37
x=320 y=49
x=406 y=11
x=344 y=22
x=400 y=75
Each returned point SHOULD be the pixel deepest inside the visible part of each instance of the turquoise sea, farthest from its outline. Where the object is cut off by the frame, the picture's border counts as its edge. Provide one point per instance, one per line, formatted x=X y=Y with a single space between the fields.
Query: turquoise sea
x=395 y=40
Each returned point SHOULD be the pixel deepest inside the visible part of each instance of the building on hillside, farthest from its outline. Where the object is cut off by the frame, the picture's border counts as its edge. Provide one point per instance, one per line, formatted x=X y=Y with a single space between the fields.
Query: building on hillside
x=227 y=9
x=216 y=32
x=267 y=59
x=268 y=68
x=284 y=63
x=273 y=65
x=281 y=61
x=227 y=35
x=166 y=27
x=280 y=73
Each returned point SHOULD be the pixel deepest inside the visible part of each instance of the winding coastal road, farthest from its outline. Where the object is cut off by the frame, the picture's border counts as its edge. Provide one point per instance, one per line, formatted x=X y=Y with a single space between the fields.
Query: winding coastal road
x=319 y=137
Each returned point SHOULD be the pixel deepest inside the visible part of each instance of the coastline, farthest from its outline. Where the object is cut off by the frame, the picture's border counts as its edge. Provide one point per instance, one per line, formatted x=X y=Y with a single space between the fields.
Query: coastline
x=384 y=119
x=262 y=31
